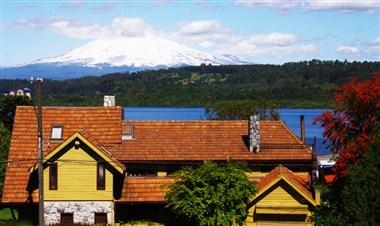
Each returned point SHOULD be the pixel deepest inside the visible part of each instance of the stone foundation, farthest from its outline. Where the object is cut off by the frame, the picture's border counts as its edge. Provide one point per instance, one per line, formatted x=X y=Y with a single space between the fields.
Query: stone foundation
x=83 y=212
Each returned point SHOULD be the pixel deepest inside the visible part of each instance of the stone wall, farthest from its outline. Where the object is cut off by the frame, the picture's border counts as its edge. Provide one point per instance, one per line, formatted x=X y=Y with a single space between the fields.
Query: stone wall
x=83 y=212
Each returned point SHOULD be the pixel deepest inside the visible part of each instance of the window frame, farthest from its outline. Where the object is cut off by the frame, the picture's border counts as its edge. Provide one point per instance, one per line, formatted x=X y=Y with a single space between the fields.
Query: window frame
x=127 y=132
x=71 y=215
x=52 y=166
x=100 y=182
x=51 y=132
x=102 y=216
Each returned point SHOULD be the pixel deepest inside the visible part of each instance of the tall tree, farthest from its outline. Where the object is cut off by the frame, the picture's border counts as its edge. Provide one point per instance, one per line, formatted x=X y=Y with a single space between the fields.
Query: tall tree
x=211 y=194
x=235 y=110
x=353 y=129
x=8 y=106
x=4 y=146
x=356 y=199
x=353 y=125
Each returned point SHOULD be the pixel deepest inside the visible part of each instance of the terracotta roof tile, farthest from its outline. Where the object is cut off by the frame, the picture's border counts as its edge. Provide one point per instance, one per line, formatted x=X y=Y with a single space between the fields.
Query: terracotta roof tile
x=208 y=140
x=145 y=189
x=296 y=180
x=153 y=189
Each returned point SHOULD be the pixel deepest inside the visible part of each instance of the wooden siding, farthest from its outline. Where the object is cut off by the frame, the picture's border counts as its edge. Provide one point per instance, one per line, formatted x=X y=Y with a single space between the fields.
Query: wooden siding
x=279 y=197
x=280 y=202
x=77 y=179
x=258 y=175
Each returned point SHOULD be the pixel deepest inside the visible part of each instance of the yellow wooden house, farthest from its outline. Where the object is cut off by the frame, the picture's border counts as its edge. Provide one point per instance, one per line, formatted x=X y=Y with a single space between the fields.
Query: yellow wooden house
x=79 y=175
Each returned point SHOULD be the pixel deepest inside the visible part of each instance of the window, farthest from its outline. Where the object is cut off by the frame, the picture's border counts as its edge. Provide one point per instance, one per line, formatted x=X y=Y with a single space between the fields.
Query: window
x=56 y=133
x=53 y=176
x=101 y=177
x=67 y=218
x=100 y=218
x=127 y=132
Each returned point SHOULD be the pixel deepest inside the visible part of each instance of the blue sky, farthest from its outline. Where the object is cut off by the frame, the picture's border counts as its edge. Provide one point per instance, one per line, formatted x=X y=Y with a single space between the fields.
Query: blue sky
x=256 y=31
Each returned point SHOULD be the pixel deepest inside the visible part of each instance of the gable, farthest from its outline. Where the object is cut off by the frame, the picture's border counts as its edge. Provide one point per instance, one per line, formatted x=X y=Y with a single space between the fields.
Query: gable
x=281 y=194
x=77 y=177
x=95 y=152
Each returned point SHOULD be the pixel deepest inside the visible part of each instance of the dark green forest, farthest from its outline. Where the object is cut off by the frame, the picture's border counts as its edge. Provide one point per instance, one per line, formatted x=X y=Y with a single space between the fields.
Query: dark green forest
x=302 y=84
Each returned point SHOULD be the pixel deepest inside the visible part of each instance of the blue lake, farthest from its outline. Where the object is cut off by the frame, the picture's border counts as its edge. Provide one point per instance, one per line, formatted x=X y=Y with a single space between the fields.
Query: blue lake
x=290 y=116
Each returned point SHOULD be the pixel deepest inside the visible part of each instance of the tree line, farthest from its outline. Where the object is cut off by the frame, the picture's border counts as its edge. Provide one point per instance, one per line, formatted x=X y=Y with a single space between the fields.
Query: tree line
x=300 y=84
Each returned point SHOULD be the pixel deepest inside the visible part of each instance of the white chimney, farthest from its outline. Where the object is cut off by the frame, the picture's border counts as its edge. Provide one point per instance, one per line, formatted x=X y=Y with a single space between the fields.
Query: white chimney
x=109 y=101
x=254 y=133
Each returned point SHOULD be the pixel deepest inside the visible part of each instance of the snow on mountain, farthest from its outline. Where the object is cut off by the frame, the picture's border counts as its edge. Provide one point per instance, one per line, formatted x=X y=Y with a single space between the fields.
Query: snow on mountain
x=117 y=55
x=137 y=52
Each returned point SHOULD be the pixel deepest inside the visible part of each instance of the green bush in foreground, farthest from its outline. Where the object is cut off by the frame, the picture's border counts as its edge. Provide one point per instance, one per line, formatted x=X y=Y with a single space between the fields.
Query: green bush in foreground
x=212 y=194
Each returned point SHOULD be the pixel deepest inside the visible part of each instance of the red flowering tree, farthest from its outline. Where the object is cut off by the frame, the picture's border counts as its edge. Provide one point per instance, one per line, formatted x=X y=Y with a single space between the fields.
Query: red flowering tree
x=353 y=124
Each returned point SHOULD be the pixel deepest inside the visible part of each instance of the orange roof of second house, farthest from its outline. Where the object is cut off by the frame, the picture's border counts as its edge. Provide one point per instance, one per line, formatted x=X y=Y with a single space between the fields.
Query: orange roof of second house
x=209 y=140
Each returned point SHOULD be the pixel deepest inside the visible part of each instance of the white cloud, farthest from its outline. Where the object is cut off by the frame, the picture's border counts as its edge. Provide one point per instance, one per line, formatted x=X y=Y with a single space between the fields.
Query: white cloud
x=282 y=5
x=343 y=5
x=201 y=34
x=130 y=27
x=120 y=26
x=314 y=5
x=72 y=5
x=205 y=33
x=375 y=42
x=222 y=40
x=373 y=49
x=251 y=52
x=278 y=39
x=348 y=50
x=201 y=27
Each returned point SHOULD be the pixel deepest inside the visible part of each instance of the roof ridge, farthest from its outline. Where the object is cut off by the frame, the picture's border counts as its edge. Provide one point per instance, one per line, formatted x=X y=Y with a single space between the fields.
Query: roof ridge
x=187 y=121
x=71 y=107
x=294 y=135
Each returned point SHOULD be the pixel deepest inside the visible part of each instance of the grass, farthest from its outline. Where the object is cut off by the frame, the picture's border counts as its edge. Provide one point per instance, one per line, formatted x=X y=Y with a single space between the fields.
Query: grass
x=6 y=214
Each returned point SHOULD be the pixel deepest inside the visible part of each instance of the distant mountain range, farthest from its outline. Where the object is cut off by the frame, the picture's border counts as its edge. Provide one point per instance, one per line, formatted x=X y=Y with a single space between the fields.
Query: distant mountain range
x=117 y=55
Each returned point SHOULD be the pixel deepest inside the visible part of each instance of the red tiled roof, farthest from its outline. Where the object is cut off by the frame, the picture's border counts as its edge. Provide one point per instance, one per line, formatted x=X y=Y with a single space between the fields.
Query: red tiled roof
x=153 y=189
x=208 y=140
x=101 y=147
x=279 y=171
x=104 y=124
x=145 y=189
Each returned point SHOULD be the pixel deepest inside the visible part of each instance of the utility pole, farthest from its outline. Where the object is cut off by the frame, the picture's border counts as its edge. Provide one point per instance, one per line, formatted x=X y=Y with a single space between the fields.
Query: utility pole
x=40 y=154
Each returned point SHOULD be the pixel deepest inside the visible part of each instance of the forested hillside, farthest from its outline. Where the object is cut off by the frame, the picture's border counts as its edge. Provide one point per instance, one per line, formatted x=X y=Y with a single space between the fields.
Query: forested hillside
x=302 y=84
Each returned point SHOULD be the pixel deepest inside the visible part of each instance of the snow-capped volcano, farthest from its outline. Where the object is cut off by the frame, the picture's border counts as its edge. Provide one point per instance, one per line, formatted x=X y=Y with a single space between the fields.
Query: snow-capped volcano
x=118 y=55
x=137 y=52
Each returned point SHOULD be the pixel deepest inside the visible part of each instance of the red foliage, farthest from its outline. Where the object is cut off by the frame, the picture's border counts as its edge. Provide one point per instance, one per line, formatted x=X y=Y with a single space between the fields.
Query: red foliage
x=352 y=126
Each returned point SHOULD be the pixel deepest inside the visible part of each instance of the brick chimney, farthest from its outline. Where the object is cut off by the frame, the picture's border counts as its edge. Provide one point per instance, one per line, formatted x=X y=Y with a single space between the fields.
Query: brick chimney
x=254 y=133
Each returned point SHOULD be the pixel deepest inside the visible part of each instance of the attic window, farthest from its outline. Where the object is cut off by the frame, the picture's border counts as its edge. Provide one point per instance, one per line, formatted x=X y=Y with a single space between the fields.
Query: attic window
x=127 y=132
x=56 y=132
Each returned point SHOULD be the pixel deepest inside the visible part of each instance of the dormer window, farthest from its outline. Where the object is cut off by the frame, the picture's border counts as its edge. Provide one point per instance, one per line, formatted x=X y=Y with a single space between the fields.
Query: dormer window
x=127 y=132
x=56 y=132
